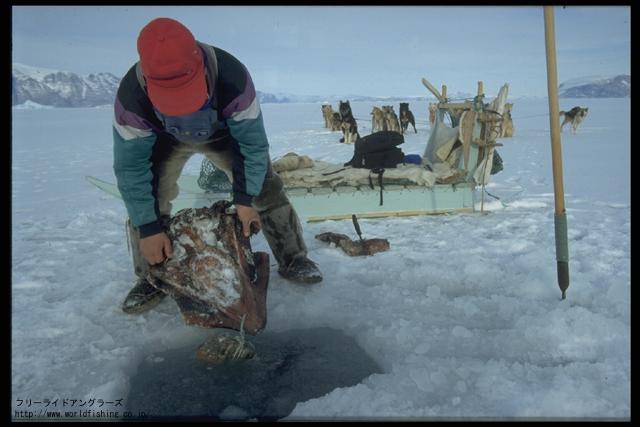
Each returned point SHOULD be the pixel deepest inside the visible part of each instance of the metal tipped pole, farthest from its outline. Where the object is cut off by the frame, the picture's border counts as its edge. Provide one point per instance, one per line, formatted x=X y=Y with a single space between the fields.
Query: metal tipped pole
x=356 y=226
x=363 y=245
x=560 y=219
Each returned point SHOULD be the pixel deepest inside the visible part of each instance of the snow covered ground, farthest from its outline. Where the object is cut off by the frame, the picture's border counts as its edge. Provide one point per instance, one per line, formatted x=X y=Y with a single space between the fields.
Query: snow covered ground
x=463 y=316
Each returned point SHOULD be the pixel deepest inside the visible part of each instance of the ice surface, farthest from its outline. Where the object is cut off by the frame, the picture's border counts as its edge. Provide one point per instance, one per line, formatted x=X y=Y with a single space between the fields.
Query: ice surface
x=463 y=316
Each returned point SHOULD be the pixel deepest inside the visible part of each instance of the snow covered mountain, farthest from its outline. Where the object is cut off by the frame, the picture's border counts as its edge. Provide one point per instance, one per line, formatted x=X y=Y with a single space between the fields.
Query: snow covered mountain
x=597 y=87
x=61 y=88
x=45 y=87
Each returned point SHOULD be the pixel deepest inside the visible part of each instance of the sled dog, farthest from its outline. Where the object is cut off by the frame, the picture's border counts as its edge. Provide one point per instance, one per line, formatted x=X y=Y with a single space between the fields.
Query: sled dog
x=575 y=116
x=406 y=117
x=336 y=121
x=378 y=122
x=432 y=113
x=349 y=126
x=391 y=119
x=507 y=121
x=327 y=114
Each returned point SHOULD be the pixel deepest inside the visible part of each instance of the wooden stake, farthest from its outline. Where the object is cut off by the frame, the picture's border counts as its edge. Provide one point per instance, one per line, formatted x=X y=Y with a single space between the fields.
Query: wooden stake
x=432 y=89
x=562 y=247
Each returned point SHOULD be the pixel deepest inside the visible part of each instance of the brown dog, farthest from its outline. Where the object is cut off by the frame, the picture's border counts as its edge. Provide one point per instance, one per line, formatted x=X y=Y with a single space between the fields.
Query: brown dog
x=327 y=114
x=378 y=122
x=432 y=113
x=391 y=119
x=507 y=121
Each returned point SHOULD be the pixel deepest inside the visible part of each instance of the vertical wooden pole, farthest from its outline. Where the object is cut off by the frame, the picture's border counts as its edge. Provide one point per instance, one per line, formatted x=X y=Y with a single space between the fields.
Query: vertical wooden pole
x=484 y=170
x=560 y=219
x=444 y=91
x=479 y=109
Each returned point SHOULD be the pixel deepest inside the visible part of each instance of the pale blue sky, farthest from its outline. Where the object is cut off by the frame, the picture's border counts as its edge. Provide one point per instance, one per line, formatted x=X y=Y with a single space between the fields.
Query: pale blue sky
x=338 y=50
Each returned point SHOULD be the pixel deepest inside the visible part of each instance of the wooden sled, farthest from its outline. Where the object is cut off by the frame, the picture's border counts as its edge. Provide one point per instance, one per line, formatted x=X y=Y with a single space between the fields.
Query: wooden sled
x=474 y=128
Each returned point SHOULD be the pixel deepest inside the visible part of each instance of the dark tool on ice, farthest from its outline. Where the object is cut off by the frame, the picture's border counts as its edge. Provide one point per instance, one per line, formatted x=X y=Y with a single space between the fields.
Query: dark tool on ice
x=359 y=248
x=356 y=225
x=354 y=219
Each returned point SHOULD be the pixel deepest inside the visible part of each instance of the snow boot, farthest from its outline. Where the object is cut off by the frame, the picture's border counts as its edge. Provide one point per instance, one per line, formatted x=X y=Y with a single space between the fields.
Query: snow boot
x=301 y=270
x=142 y=297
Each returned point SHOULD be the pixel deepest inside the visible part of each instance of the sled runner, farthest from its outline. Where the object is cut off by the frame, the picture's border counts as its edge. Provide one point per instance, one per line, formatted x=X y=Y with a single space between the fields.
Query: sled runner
x=319 y=204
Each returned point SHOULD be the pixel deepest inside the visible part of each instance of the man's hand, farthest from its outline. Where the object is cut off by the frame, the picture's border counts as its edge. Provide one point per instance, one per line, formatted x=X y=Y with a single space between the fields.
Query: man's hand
x=155 y=248
x=248 y=216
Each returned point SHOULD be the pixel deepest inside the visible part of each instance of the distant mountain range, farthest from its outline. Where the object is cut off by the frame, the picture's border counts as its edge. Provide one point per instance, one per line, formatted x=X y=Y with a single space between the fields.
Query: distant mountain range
x=597 y=87
x=33 y=87
x=61 y=88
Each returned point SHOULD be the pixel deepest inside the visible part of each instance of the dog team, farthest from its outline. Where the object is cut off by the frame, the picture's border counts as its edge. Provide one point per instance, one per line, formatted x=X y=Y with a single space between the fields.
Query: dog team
x=382 y=119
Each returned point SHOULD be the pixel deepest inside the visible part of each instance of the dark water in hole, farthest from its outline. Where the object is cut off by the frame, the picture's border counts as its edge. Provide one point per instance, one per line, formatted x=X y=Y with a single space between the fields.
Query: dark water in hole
x=290 y=367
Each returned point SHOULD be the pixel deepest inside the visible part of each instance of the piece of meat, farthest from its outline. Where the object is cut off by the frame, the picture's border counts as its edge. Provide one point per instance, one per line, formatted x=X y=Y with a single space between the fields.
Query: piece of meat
x=355 y=248
x=214 y=276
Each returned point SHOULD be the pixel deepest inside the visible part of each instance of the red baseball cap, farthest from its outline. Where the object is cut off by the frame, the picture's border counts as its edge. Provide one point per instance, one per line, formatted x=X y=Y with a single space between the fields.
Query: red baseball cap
x=173 y=67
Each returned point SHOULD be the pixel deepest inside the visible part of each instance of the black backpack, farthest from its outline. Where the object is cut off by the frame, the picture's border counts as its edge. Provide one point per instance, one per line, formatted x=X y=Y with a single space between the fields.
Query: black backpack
x=377 y=151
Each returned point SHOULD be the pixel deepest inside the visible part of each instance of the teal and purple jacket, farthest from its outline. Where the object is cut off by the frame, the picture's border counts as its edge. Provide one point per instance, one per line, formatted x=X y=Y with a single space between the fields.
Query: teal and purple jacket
x=137 y=129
